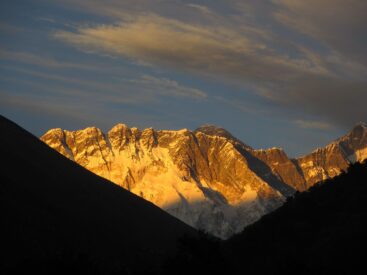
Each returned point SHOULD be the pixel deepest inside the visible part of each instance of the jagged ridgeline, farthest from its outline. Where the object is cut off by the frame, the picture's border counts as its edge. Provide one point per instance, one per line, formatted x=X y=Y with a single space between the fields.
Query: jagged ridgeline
x=206 y=178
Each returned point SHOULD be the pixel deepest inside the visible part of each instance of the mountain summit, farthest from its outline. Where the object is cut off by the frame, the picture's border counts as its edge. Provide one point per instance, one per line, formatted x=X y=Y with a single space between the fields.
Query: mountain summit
x=207 y=178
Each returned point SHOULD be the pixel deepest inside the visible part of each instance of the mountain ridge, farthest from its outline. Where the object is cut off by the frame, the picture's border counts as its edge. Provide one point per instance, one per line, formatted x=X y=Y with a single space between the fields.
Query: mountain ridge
x=207 y=177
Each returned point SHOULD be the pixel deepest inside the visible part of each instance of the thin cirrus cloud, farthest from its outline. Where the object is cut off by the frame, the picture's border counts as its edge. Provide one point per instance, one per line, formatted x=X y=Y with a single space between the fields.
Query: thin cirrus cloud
x=128 y=89
x=337 y=23
x=65 y=112
x=201 y=8
x=42 y=105
x=167 y=87
x=85 y=102
x=319 y=80
x=168 y=42
x=42 y=61
x=141 y=90
x=319 y=125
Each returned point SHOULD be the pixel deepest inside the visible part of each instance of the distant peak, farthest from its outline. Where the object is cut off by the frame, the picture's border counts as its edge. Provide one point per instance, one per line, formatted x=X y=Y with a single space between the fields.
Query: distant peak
x=92 y=130
x=359 y=129
x=270 y=149
x=57 y=133
x=208 y=125
x=150 y=129
x=213 y=130
x=119 y=126
x=361 y=124
x=54 y=130
x=183 y=131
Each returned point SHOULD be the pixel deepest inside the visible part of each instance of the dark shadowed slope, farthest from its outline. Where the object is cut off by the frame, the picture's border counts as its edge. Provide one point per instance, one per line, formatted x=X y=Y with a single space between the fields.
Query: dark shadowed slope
x=321 y=231
x=58 y=215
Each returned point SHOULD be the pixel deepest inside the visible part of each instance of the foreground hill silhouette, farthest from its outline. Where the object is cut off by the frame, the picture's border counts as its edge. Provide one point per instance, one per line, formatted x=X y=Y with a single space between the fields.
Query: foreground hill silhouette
x=59 y=218
x=323 y=230
x=320 y=231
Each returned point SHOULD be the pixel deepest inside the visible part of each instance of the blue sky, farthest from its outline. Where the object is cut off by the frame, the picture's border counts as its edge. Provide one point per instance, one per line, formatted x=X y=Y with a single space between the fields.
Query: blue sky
x=279 y=73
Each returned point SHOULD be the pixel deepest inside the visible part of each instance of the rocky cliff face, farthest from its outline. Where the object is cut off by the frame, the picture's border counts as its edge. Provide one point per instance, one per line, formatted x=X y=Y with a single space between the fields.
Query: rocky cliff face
x=202 y=179
x=331 y=160
x=207 y=178
x=284 y=168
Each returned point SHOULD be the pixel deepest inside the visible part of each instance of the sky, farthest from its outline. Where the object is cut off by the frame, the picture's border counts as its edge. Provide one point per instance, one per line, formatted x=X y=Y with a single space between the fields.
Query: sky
x=275 y=73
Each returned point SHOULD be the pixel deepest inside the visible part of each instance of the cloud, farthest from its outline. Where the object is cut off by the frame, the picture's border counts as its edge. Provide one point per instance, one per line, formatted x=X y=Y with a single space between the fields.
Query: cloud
x=72 y=113
x=42 y=61
x=167 y=87
x=46 y=19
x=303 y=57
x=7 y=28
x=242 y=106
x=313 y=125
x=66 y=109
x=201 y=8
x=142 y=90
x=125 y=9
x=340 y=24
x=202 y=49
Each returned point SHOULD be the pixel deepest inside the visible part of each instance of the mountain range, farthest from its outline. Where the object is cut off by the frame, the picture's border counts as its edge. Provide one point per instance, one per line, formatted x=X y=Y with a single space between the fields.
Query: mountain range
x=59 y=218
x=207 y=178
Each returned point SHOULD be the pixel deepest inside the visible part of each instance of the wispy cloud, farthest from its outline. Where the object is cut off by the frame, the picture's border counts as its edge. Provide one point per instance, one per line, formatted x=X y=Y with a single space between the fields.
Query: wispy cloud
x=52 y=107
x=37 y=60
x=201 y=49
x=71 y=112
x=242 y=106
x=288 y=73
x=142 y=90
x=302 y=56
x=167 y=87
x=8 y=28
x=46 y=19
x=338 y=24
x=319 y=125
x=201 y=8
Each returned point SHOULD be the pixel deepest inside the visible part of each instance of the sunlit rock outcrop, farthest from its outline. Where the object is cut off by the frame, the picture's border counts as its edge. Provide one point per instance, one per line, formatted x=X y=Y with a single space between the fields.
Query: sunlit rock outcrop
x=334 y=158
x=283 y=167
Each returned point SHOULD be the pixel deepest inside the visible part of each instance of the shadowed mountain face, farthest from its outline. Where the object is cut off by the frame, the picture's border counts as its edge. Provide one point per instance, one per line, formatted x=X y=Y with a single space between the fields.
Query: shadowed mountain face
x=53 y=209
x=207 y=178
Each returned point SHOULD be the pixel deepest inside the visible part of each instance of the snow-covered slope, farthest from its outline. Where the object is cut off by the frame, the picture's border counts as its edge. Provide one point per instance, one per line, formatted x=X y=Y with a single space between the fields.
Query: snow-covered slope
x=199 y=178
x=207 y=178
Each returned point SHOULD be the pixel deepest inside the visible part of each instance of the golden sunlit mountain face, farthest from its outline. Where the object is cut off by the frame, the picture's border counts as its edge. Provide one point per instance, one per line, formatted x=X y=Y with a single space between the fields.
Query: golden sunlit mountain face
x=207 y=178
